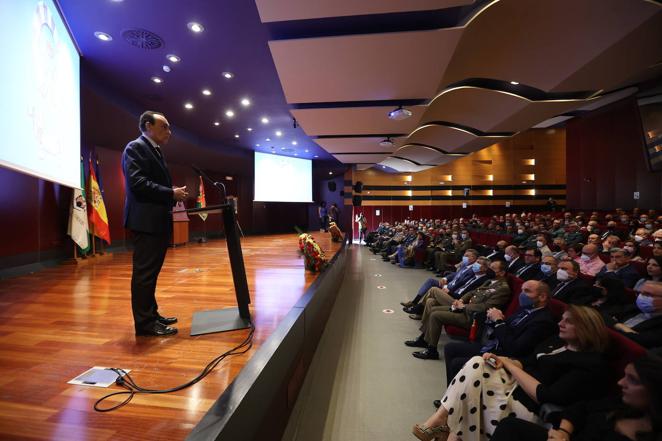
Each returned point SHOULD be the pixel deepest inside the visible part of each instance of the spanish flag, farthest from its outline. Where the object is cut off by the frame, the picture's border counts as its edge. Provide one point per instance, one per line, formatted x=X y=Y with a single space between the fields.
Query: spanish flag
x=201 y=202
x=97 y=212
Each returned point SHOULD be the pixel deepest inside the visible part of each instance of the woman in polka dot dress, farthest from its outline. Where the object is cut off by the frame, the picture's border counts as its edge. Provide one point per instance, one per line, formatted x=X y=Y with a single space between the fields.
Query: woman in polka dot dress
x=567 y=369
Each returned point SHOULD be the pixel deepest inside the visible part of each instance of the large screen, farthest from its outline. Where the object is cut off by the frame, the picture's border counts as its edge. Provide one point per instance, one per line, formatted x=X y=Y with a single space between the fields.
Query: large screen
x=40 y=104
x=650 y=109
x=282 y=179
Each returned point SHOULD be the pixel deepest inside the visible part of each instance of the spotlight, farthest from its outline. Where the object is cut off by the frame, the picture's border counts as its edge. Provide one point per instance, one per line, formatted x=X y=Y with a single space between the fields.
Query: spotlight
x=399 y=114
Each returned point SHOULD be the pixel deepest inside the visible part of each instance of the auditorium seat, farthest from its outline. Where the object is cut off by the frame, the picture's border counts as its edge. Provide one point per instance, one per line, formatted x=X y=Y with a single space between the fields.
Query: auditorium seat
x=646 y=252
x=640 y=267
x=621 y=351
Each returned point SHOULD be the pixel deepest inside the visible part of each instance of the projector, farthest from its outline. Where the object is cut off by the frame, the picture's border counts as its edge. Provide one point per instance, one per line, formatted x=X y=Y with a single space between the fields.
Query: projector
x=386 y=142
x=399 y=114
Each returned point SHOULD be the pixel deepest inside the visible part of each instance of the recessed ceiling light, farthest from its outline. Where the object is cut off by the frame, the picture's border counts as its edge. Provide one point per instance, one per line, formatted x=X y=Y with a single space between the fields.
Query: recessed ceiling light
x=229 y=113
x=257 y=145
x=245 y=102
x=173 y=58
x=294 y=143
x=316 y=156
x=103 y=36
x=236 y=135
x=296 y=154
x=188 y=106
x=279 y=133
x=383 y=166
x=206 y=92
x=216 y=123
x=264 y=120
x=514 y=83
x=195 y=27
x=268 y=139
x=249 y=129
x=156 y=80
x=330 y=173
x=228 y=75
x=166 y=68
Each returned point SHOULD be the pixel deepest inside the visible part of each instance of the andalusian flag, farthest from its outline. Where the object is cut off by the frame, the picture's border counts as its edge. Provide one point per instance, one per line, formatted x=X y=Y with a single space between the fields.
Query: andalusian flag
x=201 y=202
x=77 y=228
x=97 y=213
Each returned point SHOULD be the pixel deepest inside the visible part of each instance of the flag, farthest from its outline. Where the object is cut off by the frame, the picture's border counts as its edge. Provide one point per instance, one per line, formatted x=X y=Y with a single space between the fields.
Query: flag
x=77 y=228
x=97 y=213
x=201 y=202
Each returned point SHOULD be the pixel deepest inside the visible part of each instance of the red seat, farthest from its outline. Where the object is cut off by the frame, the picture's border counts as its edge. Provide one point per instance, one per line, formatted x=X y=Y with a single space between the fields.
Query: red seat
x=515 y=284
x=620 y=353
x=557 y=308
x=605 y=257
x=587 y=278
x=640 y=267
x=646 y=252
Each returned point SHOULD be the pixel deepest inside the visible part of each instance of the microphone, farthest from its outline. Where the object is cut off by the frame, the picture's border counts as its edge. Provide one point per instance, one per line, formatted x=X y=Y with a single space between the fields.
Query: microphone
x=216 y=184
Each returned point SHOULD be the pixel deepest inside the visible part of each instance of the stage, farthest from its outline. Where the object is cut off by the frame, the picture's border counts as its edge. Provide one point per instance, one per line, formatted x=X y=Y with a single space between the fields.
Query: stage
x=61 y=321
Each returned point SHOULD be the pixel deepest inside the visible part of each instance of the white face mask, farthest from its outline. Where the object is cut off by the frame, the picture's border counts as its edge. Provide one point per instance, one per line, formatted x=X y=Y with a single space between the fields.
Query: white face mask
x=520 y=231
x=454 y=236
x=562 y=275
x=585 y=258
x=539 y=244
x=638 y=238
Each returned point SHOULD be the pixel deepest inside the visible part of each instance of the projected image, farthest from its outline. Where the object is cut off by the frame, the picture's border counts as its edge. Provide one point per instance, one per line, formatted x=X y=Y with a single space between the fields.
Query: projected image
x=282 y=179
x=41 y=99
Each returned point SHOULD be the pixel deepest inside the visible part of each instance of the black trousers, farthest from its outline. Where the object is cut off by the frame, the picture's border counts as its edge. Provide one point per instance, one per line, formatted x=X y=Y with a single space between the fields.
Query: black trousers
x=149 y=251
x=456 y=354
x=513 y=429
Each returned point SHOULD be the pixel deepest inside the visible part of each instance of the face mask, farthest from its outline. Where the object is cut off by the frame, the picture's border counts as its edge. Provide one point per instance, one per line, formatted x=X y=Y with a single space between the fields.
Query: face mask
x=585 y=258
x=508 y=257
x=649 y=226
x=465 y=260
x=475 y=267
x=520 y=231
x=539 y=243
x=464 y=236
x=562 y=275
x=547 y=269
x=645 y=303
x=525 y=301
x=638 y=238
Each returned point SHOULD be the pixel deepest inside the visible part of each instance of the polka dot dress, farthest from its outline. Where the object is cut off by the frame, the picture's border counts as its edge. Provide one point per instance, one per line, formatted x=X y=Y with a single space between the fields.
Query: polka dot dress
x=478 y=398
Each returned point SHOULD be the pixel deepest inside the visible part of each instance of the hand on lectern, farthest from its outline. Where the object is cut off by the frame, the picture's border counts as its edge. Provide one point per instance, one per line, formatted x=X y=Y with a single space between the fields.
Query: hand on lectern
x=179 y=193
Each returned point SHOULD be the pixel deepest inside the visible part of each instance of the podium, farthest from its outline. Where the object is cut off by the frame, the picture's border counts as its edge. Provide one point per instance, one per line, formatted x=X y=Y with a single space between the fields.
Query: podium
x=227 y=319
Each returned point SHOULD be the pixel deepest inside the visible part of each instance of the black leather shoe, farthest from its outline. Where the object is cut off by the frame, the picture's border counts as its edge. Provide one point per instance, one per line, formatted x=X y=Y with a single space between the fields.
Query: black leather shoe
x=437 y=403
x=167 y=320
x=158 y=329
x=418 y=343
x=427 y=354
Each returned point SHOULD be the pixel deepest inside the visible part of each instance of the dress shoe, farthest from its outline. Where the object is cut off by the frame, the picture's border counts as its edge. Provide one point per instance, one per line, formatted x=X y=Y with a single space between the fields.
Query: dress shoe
x=437 y=404
x=415 y=316
x=157 y=329
x=418 y=343
x=167 y=320
x=406 y=304
x=427 y=354
x=415 y=309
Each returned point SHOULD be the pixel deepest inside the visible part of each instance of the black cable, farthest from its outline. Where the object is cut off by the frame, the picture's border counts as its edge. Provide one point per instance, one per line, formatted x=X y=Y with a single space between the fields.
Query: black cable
x=125 y=380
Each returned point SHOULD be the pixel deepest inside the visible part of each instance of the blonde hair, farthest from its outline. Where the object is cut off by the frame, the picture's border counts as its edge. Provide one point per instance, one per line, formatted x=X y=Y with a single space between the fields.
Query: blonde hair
x=592 y=334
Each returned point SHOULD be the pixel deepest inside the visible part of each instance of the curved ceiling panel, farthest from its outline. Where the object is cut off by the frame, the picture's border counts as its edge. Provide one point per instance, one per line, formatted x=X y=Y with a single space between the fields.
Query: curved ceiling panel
x=536 y=112
x=355 y=120
x=360 y=158
x=534 y=51
x=443 y=137
x=356 y=145
x=403 y=165
x=373 y=67
x=285 y=10
x=420 y=154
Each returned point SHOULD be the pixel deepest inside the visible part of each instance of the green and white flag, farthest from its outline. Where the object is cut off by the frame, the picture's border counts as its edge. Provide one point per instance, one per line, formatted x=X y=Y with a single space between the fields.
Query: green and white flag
x=78 y=229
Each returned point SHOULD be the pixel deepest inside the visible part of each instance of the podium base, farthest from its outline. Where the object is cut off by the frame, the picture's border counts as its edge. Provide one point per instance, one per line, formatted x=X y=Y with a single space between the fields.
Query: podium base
x=218 y=320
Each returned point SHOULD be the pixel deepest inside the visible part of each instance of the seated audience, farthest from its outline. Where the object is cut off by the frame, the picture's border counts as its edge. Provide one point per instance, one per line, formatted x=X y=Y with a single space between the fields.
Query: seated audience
x=574 y=252
x=642 y=322
x=513 y=259
x=620 y=268
x=633 y=248
x=558 y=248
x=541 y=244
x=653 y=272
x=562 y=371
x=531 y=268
x=642 y=237
x=572 y=234
x=569 y=285
x=498 y=252
x=590 y=262
x=548 y=268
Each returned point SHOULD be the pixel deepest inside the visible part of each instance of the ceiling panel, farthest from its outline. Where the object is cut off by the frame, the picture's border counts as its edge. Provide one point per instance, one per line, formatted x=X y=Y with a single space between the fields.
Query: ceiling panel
x=355 y=120
x=419 y=154
x=348 y=145
x=534 y=113
x=443 y=137
x=360 y=158
x=404 y=166
x=285 y=10
x=373 y=67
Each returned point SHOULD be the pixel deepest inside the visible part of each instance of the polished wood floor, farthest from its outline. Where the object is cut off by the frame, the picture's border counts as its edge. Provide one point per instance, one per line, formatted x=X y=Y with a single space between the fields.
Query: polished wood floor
x=59 y=322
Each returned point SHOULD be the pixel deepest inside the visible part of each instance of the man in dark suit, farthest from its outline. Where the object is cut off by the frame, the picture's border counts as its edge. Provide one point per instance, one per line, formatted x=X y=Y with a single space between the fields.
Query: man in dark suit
x=150 y=197
x=620 y=268
x=531 y=268
x=643 y=322
x=498 y=253
x=570 y=286
x=513 y=259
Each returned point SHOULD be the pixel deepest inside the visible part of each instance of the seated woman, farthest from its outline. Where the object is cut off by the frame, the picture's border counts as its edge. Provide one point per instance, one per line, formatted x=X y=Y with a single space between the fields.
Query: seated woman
x=633 y=247
x=653 y=270
x=636 y=416
x=561 y=371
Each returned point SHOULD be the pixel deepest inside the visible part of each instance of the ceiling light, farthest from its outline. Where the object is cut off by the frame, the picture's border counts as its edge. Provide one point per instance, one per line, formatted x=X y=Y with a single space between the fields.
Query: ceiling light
x=268 y=139
x=306 y=150
x=236 y=135
x=166 y=68
x=228 y=75
x=173 y=58
x=216 y=123
x=316 y=156
x=103 y=36
x=189 y=106
x=195 y=27
x=206 y=92
x=264 y=120
x=250 y=129
x=330 y=173
x=296 y=154
x=514 y=83
x=386 y=142
x=399 y=114
x=257 y=145
x=294 y=143
x=279 y=133
x=383 y=166
x=157 y=80
x=245 y=102
x=229 y=113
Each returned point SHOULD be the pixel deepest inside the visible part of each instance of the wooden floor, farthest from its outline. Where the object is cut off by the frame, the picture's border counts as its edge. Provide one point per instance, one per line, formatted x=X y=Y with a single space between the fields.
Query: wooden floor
x=61 y=321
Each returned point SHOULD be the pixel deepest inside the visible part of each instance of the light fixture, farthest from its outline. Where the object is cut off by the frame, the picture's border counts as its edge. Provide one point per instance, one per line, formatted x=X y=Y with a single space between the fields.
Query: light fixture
x=229 y=113
x=245 y=102
x=306 y=151
x=399 y=114
x=157 y=80
x=514 y=83
x=236 y=135
x=188 y=106
x=316 y=156
x=294 y=143
x=228 y=75
x=296 y=154
x=279 y=133
x=257 y=145
x=268 y=139
x=216 y=123
x=386 y=142
x=206 y=92
x=173 y=58
x=264 y=120
x=330 y=173
x=249 y=129
x=383 y=166
x=103 y=36
x=166 y=68
x=195 y=27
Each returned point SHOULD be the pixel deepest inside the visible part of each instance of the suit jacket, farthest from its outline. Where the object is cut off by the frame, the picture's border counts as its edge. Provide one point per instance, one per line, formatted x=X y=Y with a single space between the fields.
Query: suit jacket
x=628 y=274
x=149 y=195
x=566 y=292
x=496 y=255
x=550 y=280
x=649 y=332
x=518 y=336
x=491 y=294
x=468 y=285
x=515 y=265
x=531 y=273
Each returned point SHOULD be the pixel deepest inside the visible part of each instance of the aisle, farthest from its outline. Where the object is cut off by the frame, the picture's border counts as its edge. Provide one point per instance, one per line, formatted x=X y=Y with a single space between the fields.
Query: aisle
x=363 y=384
